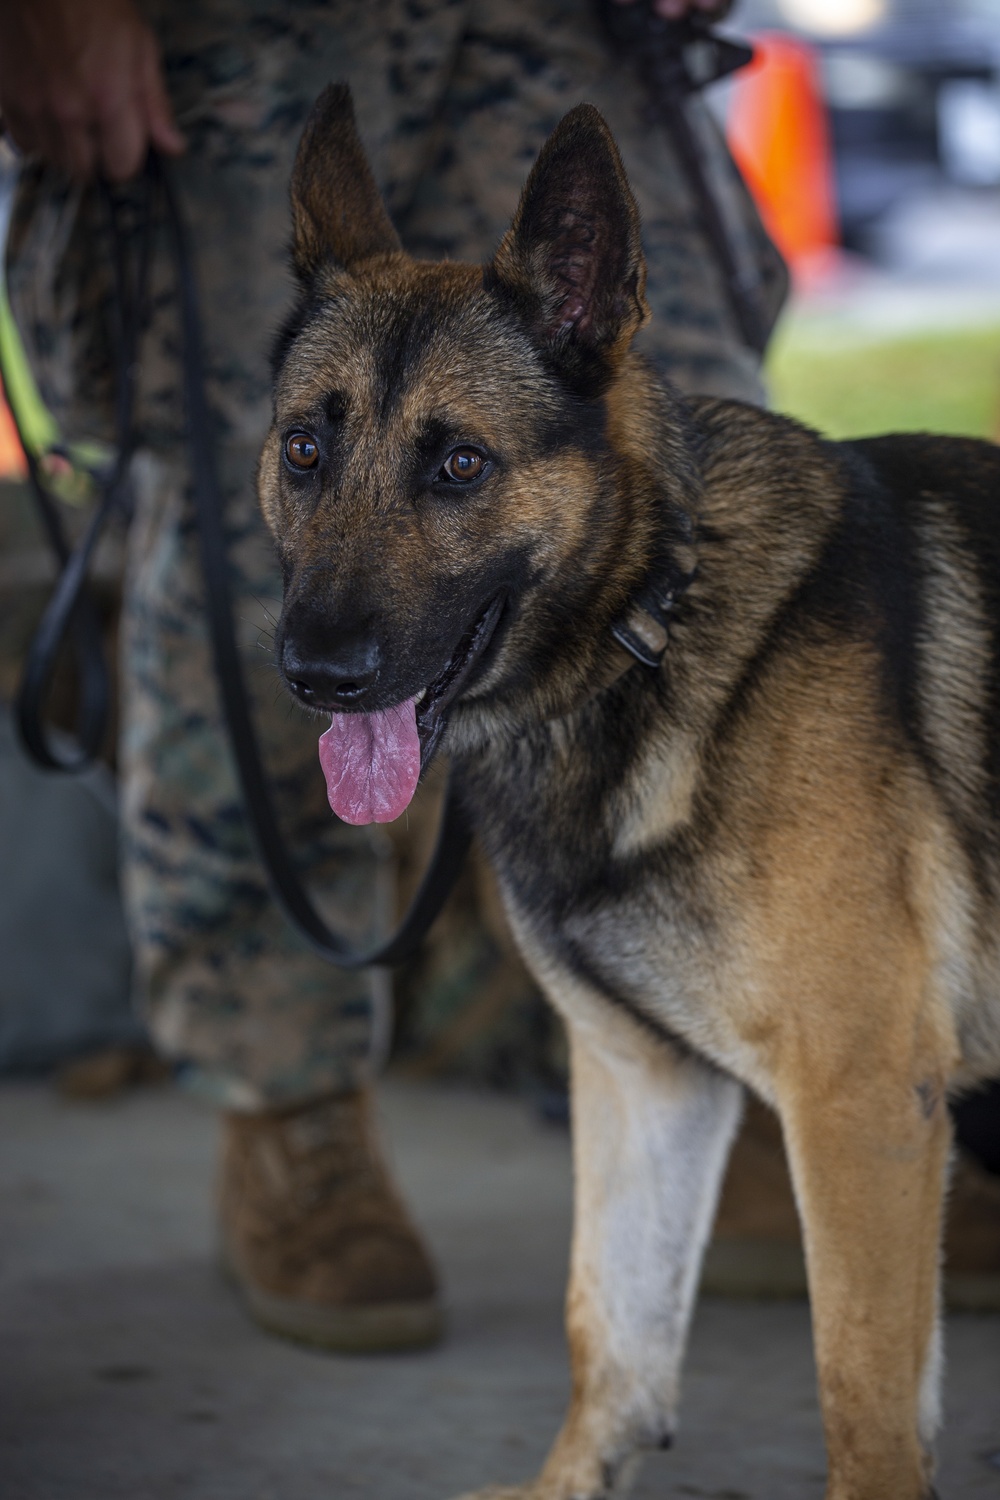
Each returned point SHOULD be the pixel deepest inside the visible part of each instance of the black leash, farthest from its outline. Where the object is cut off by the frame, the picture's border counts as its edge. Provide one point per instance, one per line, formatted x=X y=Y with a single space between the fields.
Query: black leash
x=71 y=615
x=454 y=836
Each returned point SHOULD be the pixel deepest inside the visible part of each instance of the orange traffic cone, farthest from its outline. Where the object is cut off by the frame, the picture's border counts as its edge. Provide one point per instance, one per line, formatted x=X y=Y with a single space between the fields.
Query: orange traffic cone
x=778 y=133
x=12 y=462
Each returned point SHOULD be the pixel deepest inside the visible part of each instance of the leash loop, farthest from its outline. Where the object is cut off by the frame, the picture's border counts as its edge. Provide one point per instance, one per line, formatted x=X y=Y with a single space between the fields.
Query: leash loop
x=71 y=614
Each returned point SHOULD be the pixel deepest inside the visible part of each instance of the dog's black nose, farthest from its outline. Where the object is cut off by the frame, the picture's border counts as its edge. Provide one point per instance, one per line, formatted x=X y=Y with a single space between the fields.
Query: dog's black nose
x=338 y=679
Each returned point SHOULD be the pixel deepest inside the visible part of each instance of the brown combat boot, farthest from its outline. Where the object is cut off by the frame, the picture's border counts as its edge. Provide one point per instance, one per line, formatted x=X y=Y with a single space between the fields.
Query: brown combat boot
x=315 y=1233
x=756 y=1250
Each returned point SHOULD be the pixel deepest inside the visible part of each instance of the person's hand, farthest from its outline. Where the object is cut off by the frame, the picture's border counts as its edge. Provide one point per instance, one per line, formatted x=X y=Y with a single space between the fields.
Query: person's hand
x=81 y=86
x=676 y=10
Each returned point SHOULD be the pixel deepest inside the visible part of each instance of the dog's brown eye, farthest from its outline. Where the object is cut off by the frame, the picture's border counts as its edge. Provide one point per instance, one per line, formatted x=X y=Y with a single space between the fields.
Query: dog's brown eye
x=301 y=450
x=464 y=464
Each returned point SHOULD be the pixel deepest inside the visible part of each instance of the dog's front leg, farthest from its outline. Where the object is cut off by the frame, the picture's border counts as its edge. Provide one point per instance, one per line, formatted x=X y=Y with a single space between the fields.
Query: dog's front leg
x=868 y=1160
x=651 y=1134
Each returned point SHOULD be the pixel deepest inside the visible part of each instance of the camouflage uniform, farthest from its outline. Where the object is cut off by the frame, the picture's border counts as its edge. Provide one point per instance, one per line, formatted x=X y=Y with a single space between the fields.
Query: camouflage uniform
x=454 y=99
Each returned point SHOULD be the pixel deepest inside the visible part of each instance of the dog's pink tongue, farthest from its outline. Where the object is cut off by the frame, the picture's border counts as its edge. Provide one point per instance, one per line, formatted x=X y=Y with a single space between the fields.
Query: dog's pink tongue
x=371 y=763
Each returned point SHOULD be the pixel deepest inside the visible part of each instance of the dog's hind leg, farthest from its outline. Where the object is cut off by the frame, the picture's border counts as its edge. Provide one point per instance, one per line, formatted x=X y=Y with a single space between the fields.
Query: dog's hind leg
x=651 y=1135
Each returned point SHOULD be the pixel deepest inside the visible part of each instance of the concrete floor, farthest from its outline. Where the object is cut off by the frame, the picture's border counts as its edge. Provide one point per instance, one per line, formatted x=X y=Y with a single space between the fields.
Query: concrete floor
x=129 y=1370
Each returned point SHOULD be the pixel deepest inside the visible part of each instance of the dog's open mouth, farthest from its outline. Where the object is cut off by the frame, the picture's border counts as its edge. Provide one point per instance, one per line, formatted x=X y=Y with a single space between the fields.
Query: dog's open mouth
x=372 y=762
x=433 y=703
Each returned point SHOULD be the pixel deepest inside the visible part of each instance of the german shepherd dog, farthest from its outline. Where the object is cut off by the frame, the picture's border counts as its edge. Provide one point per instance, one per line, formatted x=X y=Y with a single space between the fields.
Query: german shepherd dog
x=767 y=859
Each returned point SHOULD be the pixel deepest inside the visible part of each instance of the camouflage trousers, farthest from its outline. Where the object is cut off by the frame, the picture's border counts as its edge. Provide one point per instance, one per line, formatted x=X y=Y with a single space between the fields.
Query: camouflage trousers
x=454 y=99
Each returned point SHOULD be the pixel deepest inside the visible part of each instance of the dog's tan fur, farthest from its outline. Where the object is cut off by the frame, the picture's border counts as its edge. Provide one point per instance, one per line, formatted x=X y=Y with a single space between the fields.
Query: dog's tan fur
x=772 y=863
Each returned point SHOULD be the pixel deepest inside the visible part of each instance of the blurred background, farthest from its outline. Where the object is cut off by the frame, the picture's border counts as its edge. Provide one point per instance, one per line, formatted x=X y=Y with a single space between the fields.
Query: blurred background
x=870 y=131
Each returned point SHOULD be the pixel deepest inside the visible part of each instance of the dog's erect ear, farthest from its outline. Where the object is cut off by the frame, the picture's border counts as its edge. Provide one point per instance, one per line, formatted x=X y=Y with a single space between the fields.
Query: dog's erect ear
x=573 y=255
x=337 y=211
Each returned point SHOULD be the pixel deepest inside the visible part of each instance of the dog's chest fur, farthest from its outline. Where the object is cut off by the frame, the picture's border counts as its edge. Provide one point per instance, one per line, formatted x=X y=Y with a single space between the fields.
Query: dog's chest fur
x=615 y=868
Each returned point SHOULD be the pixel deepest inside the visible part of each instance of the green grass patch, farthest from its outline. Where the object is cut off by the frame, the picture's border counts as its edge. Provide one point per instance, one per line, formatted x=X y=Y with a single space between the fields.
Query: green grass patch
x=851 y=385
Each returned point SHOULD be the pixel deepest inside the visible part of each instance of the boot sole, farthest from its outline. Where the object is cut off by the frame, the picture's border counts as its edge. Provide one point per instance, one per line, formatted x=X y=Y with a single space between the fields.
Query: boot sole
x=378 y=1328
x=375 y=1328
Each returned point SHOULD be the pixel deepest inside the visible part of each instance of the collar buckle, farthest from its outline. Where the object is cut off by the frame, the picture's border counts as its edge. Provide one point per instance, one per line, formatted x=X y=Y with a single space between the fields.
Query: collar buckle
x=643 y=630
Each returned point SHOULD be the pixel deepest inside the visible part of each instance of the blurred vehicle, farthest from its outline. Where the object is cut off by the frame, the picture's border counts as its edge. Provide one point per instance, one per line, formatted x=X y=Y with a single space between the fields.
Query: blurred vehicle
x=913 y=93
